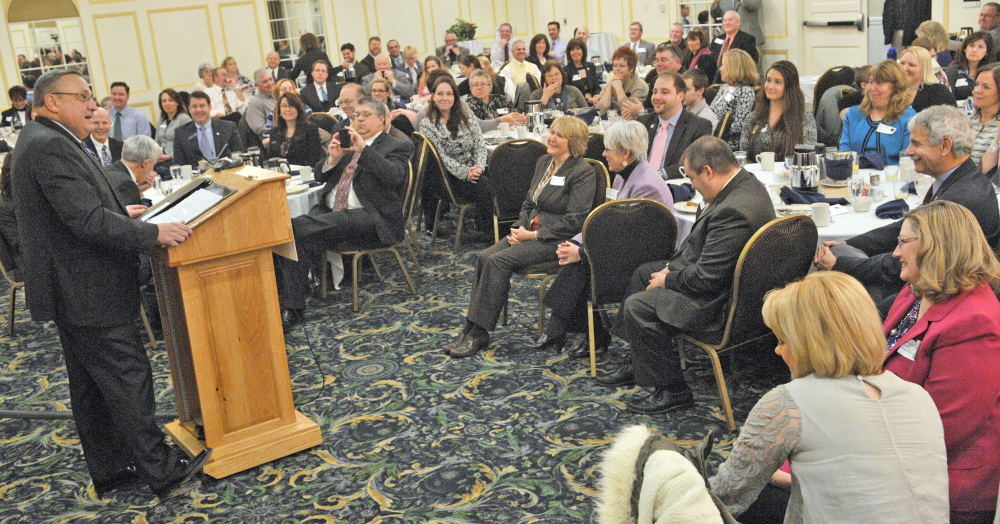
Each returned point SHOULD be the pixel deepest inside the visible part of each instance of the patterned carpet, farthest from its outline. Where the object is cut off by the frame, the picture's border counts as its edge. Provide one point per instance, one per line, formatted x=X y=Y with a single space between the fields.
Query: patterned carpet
x=410 y=435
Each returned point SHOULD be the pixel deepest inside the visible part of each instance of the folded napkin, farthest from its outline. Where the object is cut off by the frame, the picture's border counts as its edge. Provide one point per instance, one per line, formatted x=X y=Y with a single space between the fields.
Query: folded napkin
x=681 y=192
x=839 y=169
x=791 y=196
x=893 y=209
x=872 y=160
x=587 y=115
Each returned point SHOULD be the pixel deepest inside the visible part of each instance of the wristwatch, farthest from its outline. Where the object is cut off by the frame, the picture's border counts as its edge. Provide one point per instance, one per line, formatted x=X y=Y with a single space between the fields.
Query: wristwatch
x=994 y=147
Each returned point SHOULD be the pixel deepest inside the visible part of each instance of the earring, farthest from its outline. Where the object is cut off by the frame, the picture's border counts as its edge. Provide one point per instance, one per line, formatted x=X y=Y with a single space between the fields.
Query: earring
x=624 y=163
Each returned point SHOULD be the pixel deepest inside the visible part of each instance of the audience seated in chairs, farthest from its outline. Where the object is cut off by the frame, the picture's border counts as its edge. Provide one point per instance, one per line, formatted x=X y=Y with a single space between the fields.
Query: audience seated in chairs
x=669 y=92
x=976 y=51
x=943 y=330
x=924 y=89
x=690 y=293
x=490 y=108
x=361 y=201
x=626 y=145
x=941 y=140
x=624 y=83
x=556 y=91
x=885 y=108
x=293 y=137
x=780 y=119
x=828 y=335
x=561 y=196
x=456 y=135
x=737 y=96
x=173 y=115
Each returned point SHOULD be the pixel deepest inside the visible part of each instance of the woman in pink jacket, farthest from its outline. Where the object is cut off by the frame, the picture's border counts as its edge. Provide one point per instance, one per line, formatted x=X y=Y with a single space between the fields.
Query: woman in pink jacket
x=943 y=333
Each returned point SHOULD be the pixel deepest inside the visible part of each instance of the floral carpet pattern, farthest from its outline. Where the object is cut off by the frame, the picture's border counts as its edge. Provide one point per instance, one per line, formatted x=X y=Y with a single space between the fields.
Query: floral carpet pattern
x=410 y=435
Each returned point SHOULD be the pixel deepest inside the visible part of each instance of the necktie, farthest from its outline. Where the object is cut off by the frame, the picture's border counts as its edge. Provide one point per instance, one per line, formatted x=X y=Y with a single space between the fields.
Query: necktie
x=413 y=76
x=659 y=152
x=117 y=131
x=725 y=47
x=105 y=156
x=274 y=74
x=205 y=142
x=225 y=102
x=322 y=93
x=344 y=186
x=506 y=53
x=929 y=196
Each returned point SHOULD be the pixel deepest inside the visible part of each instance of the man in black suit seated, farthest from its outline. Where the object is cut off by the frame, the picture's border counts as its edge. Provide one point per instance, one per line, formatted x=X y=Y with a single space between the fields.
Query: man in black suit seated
x=133 y=174
x=941 y=139
x=671 y=127
x=689 y=294
x=349 y=70
x=732 y=38
x=274 y=67
x=19 y=110
x=81 y=246
x=322 y=91
x=361 y=203
x=374 y=49
x=205 y=138
x=451 y=53
x=108 y=150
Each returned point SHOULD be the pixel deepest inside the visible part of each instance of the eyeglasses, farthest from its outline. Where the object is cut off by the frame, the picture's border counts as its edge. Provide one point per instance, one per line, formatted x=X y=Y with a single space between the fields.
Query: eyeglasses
x=481 y=84
x=83 y=97
x=363 y=114
x=380 y=90
x=902 y=240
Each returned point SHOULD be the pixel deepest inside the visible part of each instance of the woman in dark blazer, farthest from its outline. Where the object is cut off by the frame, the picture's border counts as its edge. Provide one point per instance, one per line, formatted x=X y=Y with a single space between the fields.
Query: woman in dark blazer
x=293 y=137
x=311 y=52
x=625 y=148
x=560 y=197
x=944 y=334
x=583 y=75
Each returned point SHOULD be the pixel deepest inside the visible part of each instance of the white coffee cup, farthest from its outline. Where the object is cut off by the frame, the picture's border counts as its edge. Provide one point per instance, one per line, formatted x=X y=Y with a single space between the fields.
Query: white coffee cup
x=305 y=174
x=185 y=172
x=766 y=161
x=504 y=128
x=862 y=204
x=522 y=132
x=821 y=214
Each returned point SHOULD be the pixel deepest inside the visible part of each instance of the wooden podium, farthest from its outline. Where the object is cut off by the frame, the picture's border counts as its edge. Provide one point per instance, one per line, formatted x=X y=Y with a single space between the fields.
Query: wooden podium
x=222 y=324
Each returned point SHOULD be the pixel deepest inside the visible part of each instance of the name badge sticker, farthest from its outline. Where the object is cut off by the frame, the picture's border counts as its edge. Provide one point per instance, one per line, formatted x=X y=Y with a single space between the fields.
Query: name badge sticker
x=611 y=193
x=884 y=129
x=558 y=181
x=503 y=111
x=720 y=41
x=961 y=82
x=576 y=78
x=909 y=349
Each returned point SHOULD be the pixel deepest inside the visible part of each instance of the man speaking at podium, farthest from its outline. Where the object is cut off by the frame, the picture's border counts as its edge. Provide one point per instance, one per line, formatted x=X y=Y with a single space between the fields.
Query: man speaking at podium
x=81 y=247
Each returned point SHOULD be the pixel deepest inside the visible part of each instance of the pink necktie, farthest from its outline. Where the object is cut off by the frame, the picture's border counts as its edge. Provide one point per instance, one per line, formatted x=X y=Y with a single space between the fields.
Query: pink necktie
x=659 y=146
x=344 y=186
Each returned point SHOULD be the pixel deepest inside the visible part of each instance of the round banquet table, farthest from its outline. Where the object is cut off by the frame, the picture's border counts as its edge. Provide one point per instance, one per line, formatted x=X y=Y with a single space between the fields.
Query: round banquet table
x=299 y=201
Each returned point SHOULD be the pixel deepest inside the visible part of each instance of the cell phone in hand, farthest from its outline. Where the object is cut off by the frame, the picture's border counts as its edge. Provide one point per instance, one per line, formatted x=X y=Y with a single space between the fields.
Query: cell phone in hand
x=345 y=138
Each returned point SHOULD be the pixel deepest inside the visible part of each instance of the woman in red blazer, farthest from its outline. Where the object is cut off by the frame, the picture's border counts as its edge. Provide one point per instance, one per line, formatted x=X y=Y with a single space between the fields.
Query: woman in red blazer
x=943 y=333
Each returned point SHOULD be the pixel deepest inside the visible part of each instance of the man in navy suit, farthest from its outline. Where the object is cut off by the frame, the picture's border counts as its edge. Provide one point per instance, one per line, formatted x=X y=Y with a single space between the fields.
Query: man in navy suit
x=205 y=138
x=81 y=246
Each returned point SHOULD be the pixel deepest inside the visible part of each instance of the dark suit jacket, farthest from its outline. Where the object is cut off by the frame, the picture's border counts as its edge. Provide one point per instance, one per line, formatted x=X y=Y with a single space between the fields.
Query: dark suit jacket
x=561 y=208
x=80 y=248
x=121 y=181
x=283 y=72
x=699 y=286
x=305 y=64
x=742 y=40
x=310 y=95
x=7 y=117
x=304 y=149
x=689 y=128
x=186 y=150
x=360 y=71
x=369 y=62
x=880 y=273
x=379 y=182
x=451 y=59
x=114 y=146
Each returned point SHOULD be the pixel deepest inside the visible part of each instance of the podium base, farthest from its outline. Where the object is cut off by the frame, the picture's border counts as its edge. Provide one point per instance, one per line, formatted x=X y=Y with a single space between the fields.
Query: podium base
x=259 y=449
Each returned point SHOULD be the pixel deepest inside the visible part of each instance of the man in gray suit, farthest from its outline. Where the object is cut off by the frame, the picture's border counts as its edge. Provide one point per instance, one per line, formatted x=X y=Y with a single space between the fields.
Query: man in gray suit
x=81 y=246
x=691 y=292
x=451 y=53
x=671 y=128
x=645 y=50
x=400 y=83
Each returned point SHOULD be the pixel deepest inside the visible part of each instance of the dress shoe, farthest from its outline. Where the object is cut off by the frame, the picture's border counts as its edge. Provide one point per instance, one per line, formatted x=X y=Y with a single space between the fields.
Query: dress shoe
x=623 y=376
x=545 y=343
x=661 y=401
x=186 y=481
x=449 y=347
x=582 y=350
x=123 y=479
x=469 y=346
x=291 y=318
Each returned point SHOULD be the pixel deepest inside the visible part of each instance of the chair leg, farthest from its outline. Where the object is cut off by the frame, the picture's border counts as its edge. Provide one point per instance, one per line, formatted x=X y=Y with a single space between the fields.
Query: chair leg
x=437 y=219
x=505 y=319
x=378 y=272
x=496 y=229
x=720 y=381
x=542 y=288
x=406 y=274
x=322 y=275
x=354 y=288
x=11 y=298
x=680 y=354
x=145 y=322
x=458 y=228
x=413 y=254
x=591 y=338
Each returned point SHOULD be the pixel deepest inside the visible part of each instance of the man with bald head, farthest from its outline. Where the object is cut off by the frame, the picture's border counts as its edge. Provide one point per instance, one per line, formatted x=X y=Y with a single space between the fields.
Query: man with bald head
x=105 y=148
x=274 y=67
x=383 y=69
x=732 y=38
x=81 y=243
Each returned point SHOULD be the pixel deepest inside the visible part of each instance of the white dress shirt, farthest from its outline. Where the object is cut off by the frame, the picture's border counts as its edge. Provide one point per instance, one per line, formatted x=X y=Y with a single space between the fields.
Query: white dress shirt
x=219 y=105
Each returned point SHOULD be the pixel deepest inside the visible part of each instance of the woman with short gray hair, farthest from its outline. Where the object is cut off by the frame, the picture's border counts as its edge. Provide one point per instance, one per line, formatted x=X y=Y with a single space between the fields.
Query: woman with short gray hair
x=489 y=108
x=626 y=145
